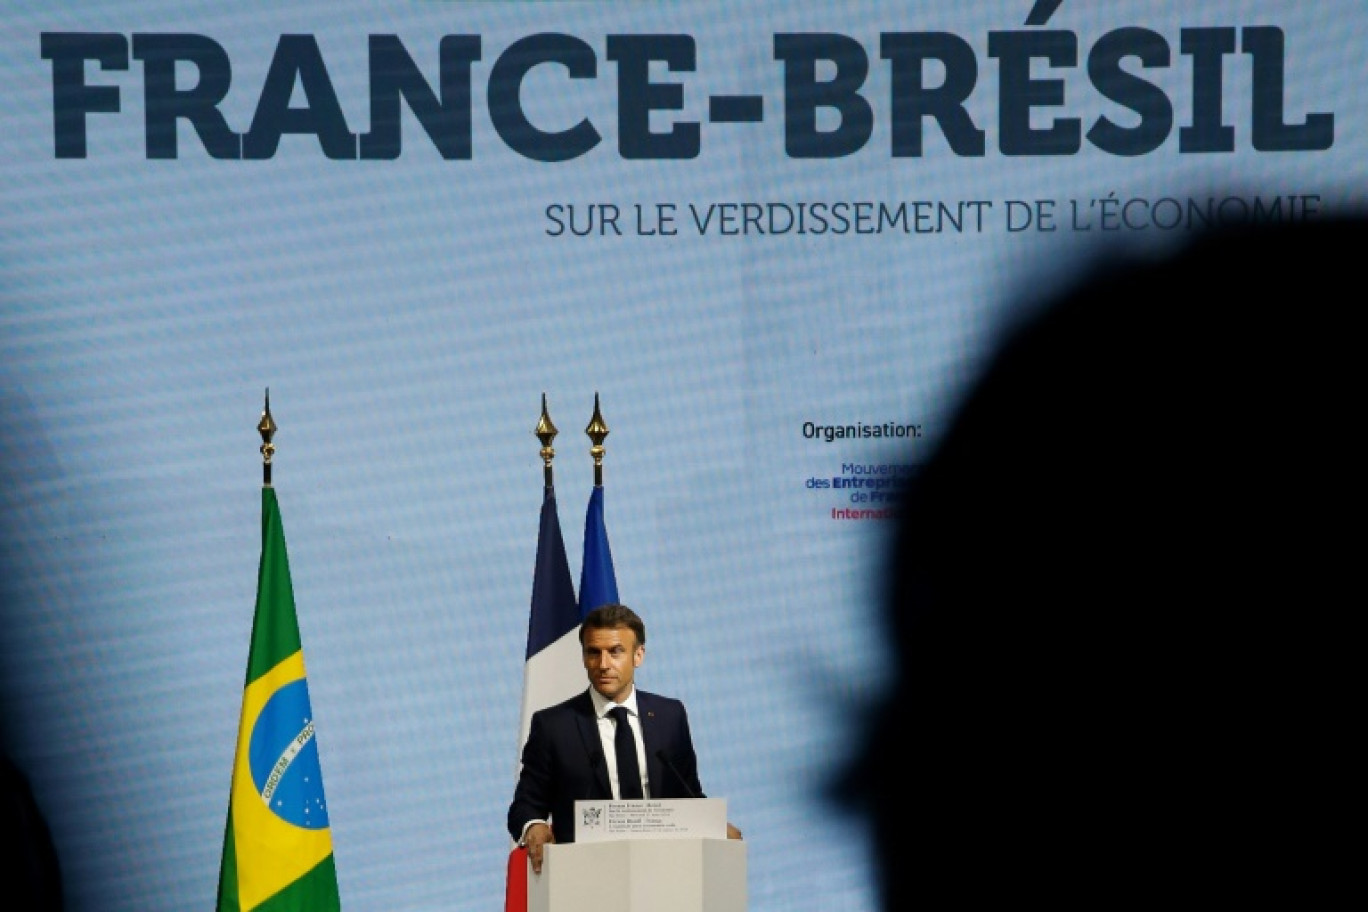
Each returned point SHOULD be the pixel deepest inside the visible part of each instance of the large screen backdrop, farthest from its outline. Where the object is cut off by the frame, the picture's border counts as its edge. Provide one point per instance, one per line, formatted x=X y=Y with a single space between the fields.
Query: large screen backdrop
x=776 y=238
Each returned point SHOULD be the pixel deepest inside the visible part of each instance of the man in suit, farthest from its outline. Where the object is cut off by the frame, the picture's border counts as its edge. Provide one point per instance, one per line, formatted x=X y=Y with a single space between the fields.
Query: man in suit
x=570 y=751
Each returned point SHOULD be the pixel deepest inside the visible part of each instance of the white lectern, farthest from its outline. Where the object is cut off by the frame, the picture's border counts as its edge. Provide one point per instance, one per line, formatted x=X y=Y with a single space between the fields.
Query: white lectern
x=641 y=875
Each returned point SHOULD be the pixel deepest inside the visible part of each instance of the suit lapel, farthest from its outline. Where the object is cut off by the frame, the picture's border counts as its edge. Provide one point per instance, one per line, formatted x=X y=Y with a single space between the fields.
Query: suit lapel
x=650 y=733
x=587 y=724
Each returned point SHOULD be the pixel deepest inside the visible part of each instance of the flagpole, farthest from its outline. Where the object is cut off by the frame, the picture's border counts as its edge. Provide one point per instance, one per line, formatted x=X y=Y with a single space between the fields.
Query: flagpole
x=546 y=432
x=266 y=427
x=551 y=671
x=554 y=668
x=597 y=431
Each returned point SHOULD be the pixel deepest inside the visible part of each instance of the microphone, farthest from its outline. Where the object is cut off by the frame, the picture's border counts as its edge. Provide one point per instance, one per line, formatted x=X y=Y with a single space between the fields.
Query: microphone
x=665 y=759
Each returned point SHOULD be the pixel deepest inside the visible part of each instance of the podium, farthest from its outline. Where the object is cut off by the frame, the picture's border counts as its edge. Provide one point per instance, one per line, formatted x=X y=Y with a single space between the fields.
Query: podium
x=641 y=875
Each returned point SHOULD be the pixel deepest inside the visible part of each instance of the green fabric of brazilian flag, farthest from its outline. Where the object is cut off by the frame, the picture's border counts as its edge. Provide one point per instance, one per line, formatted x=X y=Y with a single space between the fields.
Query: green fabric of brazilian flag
x=277 y=848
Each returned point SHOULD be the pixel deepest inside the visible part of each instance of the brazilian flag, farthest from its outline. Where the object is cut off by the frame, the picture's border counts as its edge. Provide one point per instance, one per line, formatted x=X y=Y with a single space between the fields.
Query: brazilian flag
x=277 y=848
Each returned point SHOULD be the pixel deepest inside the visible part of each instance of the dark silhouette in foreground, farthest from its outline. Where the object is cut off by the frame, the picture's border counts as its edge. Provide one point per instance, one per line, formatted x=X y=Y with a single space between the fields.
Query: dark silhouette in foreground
x=1123 y=595
x=29 y=869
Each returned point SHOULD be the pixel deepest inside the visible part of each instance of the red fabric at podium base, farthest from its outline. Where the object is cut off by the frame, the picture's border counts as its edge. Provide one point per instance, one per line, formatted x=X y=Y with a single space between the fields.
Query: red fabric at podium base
x=515 y=893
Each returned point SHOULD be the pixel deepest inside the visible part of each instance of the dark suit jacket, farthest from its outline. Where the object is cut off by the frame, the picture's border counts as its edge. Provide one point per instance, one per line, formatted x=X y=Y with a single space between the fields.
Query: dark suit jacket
x=563 y=762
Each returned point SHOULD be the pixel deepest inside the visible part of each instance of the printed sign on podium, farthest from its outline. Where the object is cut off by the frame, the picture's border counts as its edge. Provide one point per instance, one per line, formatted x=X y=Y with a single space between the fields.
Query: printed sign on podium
x=682 y=818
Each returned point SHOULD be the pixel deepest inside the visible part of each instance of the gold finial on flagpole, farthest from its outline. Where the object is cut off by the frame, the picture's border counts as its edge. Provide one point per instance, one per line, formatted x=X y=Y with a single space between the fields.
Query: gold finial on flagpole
x=266 y=427
x=546 y=432
x=597 y=431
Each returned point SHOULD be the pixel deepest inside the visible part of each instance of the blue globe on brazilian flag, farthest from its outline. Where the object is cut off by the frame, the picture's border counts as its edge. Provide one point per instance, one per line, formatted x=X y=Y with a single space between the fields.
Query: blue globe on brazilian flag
x=277 y=848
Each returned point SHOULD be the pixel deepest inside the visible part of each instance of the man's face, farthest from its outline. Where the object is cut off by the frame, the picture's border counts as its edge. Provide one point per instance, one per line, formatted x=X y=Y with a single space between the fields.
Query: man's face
x=611 y=657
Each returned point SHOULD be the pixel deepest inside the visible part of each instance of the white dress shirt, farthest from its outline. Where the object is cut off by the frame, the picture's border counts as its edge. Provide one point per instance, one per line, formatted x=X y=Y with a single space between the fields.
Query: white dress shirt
x=607 y=728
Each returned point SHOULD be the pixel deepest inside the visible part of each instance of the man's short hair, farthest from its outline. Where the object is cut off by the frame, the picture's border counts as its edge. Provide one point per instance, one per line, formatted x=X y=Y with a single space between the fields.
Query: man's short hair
x=607 y=617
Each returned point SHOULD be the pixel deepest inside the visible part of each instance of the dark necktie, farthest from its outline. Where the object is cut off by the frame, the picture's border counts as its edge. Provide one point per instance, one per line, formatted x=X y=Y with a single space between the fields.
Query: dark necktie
x=624 y=744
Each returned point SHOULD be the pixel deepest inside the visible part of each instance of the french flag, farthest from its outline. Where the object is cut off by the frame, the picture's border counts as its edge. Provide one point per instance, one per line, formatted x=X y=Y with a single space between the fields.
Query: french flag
x=554 y=670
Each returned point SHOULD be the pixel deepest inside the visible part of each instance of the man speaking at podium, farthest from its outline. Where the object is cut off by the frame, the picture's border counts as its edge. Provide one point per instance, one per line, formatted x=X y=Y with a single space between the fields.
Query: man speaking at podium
x=610 y=742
